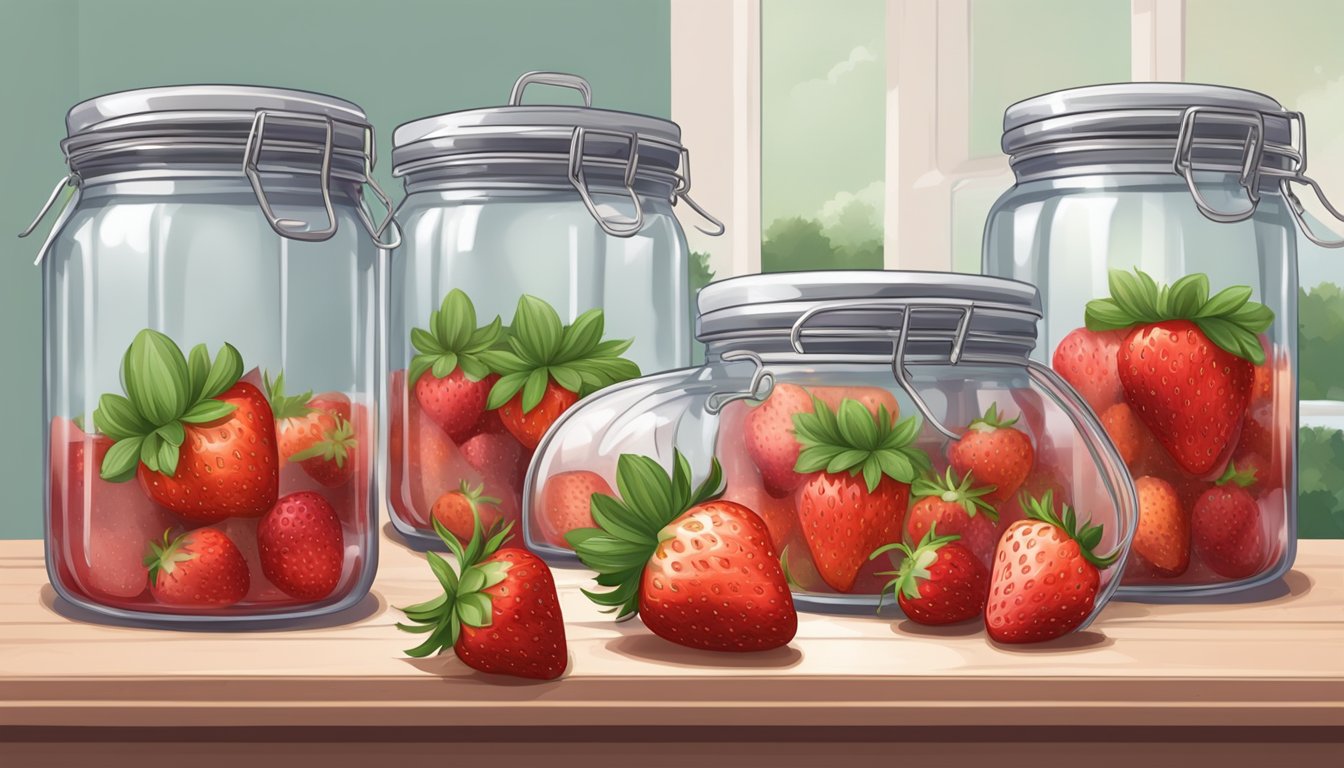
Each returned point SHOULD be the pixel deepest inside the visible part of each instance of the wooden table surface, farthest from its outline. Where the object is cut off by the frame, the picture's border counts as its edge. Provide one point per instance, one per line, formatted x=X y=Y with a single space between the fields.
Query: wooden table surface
x=1276 y=663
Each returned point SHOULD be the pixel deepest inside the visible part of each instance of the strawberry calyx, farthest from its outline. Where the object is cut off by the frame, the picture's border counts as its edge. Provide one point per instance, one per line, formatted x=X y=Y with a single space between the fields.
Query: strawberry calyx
x=788 y=575
x=463 y=600
x=1242 y=478
x=164 y=556
x=963 y=492
x=336 y=444
x=630 y=529
x=284 y=406
x=453 y=341
x=915 y=567
x=1088 y=537
x=852 y=439
x=992 y=420
x=1228 y=318
x=166 y=391
x=540 y=350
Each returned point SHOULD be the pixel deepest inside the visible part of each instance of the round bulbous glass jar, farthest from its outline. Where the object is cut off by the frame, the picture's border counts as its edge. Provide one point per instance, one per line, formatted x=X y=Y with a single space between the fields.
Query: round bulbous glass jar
x=210 y=327
x=930 y=352
x=1122 y=194
x=515 y=212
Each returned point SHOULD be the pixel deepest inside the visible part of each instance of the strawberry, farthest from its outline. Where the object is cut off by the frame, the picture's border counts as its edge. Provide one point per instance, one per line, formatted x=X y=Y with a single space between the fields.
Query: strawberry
x=1045 y=578
x=957 y=508
x=201 y=442
x=547 y=367
x=1132 y=439
x=1226 y=527
x=448 y=374
x=769 y=438
x=301 y=546
x=845 y=516
x=458 y=510
x=566 y=501
x=299 y=421
x=499 y=611
x=1187 y=362
x=940 y=582
x=1162 y=539
x=698 y=571
x=330 y=461
x=1086 y=359
x=1042 y=480
x=871 y=398
x=998 y=454
x=493 y=452
x=199 y=569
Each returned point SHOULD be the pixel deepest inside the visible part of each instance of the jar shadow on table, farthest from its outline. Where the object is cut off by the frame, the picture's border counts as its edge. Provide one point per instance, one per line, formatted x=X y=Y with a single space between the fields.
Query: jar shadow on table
x=372 y=605
x=1292 y=586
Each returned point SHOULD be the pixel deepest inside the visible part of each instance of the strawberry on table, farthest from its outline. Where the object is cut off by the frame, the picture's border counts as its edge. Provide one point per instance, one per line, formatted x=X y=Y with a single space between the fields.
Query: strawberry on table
x=499 y=611
x=547 y=367
x=940 y=581
x=957 y=508
x=859 y=469
x=1046 y=575
x=331 y=460
x=1226 y=529
x=201 y=442
x=458 y=510
x=699 y=571
x=301 y=546
x=1187 y=363
x=566 y=502
x=199 y=569
x=449 y=375
x=1162 y=539
x=999 y=454
x=1086 y=359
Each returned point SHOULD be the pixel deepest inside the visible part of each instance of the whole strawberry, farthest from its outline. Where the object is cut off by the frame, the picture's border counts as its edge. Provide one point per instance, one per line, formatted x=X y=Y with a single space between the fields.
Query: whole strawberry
x=1187 y=362
x=499 y=611
x=566 y=504
x=999 y=454
x=458 y=510
x=330 y=460
x=450 y=379
x=301 y=546
x=548 y=366
x=1226 y=529
x=199 y=569
x=1086 y=359
x=860 y=466
x=1162 y=539
x=769 y=440
x=302 y=421
x=1046 y=575
x=699 y=571
x=201 y=442
x=957 y=508
x=940 y=581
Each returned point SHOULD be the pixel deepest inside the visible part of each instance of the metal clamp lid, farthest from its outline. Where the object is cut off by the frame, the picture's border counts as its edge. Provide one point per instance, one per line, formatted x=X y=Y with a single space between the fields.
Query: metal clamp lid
x=558 y=79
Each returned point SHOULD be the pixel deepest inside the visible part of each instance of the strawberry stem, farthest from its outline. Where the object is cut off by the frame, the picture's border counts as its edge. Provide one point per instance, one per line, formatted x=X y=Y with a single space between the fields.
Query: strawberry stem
x=1242 y=478
x=962 y=492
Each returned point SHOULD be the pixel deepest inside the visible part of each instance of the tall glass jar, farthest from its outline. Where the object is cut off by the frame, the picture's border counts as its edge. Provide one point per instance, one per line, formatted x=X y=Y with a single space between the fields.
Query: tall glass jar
x=535 y=216
x=210 y=326
x=939 y=357
x=1159 y=221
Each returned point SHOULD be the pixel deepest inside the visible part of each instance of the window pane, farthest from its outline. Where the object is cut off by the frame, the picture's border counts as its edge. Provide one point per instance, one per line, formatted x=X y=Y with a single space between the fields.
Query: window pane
x=1021 y=48
x=971 y=201
x=823 y=134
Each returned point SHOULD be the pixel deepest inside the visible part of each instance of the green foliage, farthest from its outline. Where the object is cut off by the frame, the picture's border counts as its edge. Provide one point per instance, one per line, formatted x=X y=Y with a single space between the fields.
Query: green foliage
x=1320 y=315
x=701 y=273
x=795 y=244
x=1320 y=490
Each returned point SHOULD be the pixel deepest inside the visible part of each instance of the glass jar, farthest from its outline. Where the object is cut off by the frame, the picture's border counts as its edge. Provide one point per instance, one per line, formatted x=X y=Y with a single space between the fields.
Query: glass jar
x=937 y=350
x=213 y=268
x=568 y=206
x=1175 y=181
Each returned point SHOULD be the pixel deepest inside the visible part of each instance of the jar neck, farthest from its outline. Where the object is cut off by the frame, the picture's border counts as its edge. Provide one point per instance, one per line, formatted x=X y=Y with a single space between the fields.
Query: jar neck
x=1105 y=157
x=777 y=349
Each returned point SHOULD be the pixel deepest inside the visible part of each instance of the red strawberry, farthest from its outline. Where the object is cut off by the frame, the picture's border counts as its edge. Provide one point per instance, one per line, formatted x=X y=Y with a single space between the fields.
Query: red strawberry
x=940 y=582
x=843 y=516
x=957 y=508
x=455 y=402
x=458 y=510
x=1162 y=539
x=1132 y=439
x=331 y=460
x=996 y=453
x=1226 y=527
x=423 y=463
x=494 y=453
x=199 y=569
x=1045 y=578
x=1086 y=359
x=548 y=367
x=779 y=515
x=708 y=576
x=871 y=398
x=201 y=442
x=301 y=546
x=1041 y=481
x=448 y=373
x=302 y=421
x=1258 y=432
x=1187 y=361
x=566 y=499
x=769 y=440
x=499 y=611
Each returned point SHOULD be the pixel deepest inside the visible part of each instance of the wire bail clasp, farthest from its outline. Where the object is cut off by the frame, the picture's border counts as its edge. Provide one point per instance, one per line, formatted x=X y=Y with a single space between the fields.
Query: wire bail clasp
x=1253 y=150
x=762 y=382
x=75 y=183
x=256 y=138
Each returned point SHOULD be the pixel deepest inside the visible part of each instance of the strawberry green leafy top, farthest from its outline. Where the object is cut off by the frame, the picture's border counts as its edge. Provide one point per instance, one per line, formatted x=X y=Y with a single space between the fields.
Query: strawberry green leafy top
x=915 y=567
x=631 y=528
x=1088 y=537
x=962 y=492
x=284 y=406
x=1229 y=318
x=164 y=392
x=541 y=349
x=853 y=440
x=1242 y=478
x=452 y=341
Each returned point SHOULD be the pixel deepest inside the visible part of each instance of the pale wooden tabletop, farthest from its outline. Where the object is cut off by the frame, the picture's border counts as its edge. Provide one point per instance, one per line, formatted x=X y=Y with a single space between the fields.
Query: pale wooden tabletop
x=1276 y=661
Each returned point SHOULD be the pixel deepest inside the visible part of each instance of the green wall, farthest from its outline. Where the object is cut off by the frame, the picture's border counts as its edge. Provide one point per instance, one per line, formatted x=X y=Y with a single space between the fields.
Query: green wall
x=399 y=59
